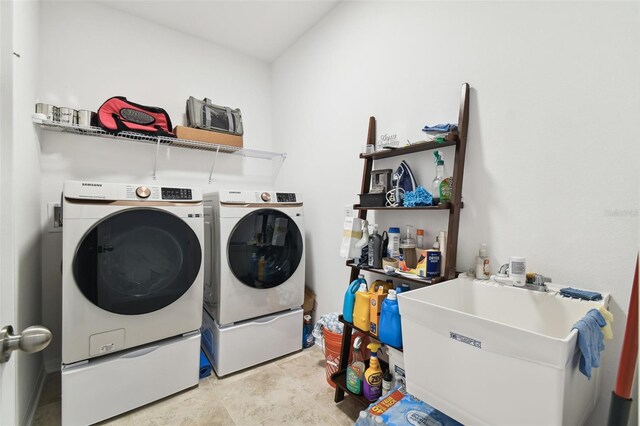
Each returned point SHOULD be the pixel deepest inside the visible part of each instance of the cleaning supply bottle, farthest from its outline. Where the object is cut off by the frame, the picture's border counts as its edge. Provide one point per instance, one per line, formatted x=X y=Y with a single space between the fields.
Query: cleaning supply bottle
x=363 y=245
x=361 y=308
x=483 y=271
x=376 y=296
x=420 y=238
x=394 y=242
x=307 y=329
x=387 y=382
x=442 y=238
x=355 y=371
x=372 y=389
x=390 y=325
x=435 y=184
x=375 y=249
x=350 y=298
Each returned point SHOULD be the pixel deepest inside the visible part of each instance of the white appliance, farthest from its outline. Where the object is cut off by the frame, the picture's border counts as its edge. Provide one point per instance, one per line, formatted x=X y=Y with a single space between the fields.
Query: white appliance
x=254 y=275
x=132 y=275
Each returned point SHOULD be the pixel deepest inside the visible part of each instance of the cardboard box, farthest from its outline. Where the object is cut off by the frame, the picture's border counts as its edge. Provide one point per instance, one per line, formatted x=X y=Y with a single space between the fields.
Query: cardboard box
x=309 y=301
x=208 y=136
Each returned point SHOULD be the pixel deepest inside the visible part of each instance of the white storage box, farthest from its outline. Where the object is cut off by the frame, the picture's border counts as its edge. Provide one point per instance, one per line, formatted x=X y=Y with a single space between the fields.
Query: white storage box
x=114 y=384
x=249 y=343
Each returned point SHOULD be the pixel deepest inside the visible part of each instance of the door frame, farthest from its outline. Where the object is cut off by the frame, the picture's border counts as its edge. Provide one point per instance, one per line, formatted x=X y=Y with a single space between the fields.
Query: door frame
x=8 y=371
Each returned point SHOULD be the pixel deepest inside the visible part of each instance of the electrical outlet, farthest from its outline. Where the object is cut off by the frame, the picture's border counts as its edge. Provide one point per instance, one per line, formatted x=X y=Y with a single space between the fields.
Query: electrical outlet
x=54 y=217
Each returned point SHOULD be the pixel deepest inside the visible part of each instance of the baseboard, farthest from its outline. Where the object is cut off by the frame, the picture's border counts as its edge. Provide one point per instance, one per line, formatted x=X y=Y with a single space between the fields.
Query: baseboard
x=34 y=398
x=52 y=365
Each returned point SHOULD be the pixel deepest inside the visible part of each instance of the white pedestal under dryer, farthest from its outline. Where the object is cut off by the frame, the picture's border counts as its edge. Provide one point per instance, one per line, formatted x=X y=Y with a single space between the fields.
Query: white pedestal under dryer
x=254 y=276
x=132 y=291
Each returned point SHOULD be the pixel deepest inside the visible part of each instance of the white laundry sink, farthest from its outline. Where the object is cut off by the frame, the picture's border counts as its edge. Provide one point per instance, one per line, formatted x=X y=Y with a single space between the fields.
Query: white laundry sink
x=485 y=353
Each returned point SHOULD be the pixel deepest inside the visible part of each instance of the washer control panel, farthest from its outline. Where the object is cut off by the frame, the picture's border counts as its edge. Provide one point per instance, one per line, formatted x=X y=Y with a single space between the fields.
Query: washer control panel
x=286 y=197
x=176 y=194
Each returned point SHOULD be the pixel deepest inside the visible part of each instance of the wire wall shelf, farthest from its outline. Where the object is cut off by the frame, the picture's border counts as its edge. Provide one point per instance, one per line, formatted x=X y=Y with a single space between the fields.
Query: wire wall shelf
x=159 y=141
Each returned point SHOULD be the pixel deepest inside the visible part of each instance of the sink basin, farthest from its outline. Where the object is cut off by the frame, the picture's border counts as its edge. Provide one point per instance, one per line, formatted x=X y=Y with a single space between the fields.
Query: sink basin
x=486 y=353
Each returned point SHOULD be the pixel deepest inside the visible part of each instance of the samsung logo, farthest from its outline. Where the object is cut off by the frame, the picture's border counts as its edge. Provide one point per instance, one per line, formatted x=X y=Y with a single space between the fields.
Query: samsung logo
x=235 y=192
x=91 y=184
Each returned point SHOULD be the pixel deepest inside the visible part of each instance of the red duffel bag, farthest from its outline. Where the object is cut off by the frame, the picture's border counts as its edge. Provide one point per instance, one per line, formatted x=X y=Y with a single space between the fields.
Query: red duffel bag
x=118 y=114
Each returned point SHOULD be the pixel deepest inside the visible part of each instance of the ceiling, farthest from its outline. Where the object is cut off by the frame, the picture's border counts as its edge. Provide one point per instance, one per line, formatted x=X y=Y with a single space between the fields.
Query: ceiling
x=263 y=29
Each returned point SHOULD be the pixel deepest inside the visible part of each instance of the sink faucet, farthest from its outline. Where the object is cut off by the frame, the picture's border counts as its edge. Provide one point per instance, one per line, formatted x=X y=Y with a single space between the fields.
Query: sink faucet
x=539 y=281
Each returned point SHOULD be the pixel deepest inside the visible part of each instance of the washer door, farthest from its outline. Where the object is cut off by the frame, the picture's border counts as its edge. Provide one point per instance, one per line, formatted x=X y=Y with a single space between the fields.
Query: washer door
x=264 y=248
x=137 y=261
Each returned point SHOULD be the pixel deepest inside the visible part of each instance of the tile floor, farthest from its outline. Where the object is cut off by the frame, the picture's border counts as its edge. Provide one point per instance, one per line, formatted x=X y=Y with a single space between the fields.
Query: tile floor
x=290 y=390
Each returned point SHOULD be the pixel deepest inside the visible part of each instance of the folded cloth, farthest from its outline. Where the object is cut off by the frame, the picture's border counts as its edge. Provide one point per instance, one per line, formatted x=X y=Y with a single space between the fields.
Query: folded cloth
x=440 y=128
x=608 y=316
x=575 y=293
x=590 y=340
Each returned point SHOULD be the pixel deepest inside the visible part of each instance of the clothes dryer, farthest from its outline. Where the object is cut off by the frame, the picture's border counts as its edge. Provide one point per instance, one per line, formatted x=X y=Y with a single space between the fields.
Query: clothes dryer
x=254 y=277
x=256 y=265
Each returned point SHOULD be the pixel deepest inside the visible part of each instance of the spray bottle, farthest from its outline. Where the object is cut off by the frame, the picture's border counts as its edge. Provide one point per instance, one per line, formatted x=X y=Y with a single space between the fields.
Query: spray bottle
x=435 y=185
x=363 y=244
x=355 y=371
x=372 y=389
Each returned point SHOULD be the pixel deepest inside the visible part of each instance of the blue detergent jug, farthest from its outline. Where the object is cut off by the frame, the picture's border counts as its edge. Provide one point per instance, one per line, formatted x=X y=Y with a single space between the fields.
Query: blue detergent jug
x=350 y=298
x=390 y=329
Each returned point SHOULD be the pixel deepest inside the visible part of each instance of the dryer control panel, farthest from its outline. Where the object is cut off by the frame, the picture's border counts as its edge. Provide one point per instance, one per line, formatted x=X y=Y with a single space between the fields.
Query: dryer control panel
x=259 y=197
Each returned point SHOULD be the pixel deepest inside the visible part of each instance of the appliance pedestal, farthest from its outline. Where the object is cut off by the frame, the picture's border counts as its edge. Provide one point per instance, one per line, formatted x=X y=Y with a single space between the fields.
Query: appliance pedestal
x=114 y=384
x=242 y=345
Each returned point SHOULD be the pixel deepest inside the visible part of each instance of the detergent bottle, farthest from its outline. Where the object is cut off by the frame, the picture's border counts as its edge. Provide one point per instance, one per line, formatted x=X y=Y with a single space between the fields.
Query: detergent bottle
x=390 y=328
x=350 y=298
x=361 y=308
x=372 y=386
x=355 y=371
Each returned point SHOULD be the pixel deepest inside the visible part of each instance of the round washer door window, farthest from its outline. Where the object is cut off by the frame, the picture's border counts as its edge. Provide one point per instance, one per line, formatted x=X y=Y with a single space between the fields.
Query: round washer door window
x=137 y=261
x=264 y=249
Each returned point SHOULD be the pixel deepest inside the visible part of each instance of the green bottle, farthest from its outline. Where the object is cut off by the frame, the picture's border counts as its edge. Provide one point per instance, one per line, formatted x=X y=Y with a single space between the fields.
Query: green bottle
x=355 y=371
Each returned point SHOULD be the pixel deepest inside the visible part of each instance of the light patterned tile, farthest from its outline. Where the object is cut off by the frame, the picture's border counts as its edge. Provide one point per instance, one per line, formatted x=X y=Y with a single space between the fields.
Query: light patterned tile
x=47 y=415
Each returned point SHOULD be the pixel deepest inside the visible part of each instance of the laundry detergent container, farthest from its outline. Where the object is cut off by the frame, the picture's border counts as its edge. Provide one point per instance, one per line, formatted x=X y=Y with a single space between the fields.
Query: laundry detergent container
x=484 y=353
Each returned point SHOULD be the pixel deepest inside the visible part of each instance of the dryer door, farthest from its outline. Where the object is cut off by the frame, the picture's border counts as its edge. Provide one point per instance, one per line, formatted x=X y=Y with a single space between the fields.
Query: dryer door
x=264 y=248
x=137 y=261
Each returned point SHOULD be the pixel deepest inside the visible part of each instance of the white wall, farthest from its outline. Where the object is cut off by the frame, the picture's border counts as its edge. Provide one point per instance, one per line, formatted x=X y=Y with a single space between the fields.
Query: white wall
x=551 y=170
x=91 y=52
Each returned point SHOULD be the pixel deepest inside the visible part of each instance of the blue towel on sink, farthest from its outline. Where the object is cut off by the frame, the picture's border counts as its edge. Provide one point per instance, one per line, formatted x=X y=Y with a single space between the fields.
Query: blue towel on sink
x=575 y=293
x=590 y=340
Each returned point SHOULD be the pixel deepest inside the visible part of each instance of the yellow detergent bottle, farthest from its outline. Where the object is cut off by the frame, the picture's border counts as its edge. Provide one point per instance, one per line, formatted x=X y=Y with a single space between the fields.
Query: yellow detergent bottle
x=372 y=386
x=361 y=308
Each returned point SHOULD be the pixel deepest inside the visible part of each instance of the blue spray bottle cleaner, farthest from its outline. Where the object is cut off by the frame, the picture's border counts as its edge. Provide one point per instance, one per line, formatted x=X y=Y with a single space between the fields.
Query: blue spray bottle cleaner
x=390 y=325
x=350 y=298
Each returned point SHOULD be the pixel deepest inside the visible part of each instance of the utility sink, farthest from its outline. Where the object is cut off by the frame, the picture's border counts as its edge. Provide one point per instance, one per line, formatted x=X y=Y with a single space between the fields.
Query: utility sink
x=486 y=353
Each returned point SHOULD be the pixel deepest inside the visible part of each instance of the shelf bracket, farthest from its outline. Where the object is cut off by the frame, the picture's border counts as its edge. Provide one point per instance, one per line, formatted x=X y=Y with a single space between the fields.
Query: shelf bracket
x=213 y=165
x=155 y=163
x=278 y=166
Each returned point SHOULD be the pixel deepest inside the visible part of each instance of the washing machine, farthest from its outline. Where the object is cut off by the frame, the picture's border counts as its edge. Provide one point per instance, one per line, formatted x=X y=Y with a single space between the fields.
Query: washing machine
x=254 y=276
x=132 y=292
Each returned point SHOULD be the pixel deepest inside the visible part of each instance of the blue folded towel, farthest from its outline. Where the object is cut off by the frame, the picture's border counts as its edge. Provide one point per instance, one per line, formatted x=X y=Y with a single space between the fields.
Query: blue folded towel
x=205 y=365
x=580 y=294
x=440 y=128
x=590 y=340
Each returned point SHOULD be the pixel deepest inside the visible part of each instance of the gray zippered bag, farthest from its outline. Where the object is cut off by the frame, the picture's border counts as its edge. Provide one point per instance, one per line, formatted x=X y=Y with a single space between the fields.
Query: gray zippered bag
x=202 y=114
